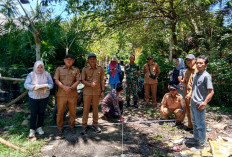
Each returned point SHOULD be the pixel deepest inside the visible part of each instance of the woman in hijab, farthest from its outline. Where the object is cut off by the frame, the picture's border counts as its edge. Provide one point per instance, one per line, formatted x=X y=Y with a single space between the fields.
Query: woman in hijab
x=112 y=105
x=113 y=70
x=177 y=74
x=38 y=82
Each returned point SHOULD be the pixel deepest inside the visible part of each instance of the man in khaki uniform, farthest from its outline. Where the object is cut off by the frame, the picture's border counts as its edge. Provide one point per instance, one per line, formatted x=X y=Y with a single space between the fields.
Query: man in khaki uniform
x=92 y=77
x=150 y=84
x=67 y=78
x=188 y=81
x=173 y=102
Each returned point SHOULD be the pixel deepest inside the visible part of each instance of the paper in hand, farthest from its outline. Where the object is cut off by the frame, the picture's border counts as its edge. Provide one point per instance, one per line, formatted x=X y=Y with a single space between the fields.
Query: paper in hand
x=40 y=86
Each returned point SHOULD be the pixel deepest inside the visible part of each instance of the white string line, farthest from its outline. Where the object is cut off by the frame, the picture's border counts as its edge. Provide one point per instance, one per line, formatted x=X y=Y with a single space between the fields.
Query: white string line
x=122 y=138
x=119 y=123
x=122 y=123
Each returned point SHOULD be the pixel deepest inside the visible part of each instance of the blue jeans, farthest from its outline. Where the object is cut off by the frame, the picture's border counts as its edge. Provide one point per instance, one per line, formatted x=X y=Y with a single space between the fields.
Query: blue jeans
x=181 y=92
x=198 y=120
x=113 y=86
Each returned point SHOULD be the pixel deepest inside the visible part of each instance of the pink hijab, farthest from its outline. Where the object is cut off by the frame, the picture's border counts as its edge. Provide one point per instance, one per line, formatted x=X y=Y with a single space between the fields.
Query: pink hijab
x=113 y=65
x=39 y=78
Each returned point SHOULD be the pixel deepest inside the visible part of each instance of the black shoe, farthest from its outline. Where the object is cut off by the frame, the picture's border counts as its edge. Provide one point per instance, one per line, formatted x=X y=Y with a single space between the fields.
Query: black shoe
x=189 y=129
x=60 y=134
x=128 y=104
x=83 y=131
x=191 y=141
x=73 y=130
x=135 y=104
x=96 y=129
x=179 y=123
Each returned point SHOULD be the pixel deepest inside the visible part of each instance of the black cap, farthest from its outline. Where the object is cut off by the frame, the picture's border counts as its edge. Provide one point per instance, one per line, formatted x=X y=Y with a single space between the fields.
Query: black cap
x=150 y=57
x=173 y=86
x=68 y=56
x=92 y=55
x=119 y=87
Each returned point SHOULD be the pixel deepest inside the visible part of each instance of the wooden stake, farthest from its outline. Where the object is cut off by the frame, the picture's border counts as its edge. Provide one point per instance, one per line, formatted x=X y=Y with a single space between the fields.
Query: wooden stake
x=11 y=145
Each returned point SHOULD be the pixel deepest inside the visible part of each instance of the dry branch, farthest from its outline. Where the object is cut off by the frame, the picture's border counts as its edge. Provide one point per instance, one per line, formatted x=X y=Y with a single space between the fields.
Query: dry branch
x=15 y=100
x=11 y=79
x=11 y=145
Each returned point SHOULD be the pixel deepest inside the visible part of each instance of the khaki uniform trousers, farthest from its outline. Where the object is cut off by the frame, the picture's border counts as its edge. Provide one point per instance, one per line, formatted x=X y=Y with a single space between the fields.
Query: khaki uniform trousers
x=153 y=89
x=88 y=100
x=62 y=101
x=187 y=102
x=179 y=114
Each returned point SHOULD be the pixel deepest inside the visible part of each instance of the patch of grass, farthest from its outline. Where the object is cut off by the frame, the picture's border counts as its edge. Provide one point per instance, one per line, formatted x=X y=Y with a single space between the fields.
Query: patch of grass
x=17 y=135
x=225 y=109
x=151 y=112
x=158 y=138
x=167 y=126
x=32 y=147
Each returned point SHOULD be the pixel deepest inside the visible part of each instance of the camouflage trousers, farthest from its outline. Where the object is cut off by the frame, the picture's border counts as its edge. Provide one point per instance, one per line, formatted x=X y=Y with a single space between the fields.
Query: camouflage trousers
x=132 y=89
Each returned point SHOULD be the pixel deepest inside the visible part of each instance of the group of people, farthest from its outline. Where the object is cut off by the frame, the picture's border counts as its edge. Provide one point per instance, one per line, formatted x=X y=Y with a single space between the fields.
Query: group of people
x=67 y=77
x=189 y=92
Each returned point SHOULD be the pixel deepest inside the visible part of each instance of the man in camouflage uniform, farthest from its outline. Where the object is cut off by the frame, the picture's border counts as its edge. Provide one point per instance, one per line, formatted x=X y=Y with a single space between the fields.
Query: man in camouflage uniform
x=132 y=74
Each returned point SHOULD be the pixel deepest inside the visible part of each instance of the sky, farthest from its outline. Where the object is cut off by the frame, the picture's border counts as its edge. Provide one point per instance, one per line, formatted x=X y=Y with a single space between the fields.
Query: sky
x=58 y=8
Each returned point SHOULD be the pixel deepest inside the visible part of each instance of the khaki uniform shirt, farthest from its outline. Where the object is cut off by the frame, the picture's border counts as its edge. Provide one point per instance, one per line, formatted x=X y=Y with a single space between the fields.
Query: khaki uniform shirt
x=93 y=75
x=67 y=77
x=173 y=103
x=155 y=69
x=188 y=77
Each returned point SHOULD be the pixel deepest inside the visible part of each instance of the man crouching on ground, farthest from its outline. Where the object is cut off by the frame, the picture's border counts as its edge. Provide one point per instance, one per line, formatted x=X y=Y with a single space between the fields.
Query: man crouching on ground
x=174 y=103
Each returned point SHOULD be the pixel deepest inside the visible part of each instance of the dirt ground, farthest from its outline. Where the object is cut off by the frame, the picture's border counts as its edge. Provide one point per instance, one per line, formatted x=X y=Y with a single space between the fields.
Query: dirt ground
x=146 y=139
x=130 y=139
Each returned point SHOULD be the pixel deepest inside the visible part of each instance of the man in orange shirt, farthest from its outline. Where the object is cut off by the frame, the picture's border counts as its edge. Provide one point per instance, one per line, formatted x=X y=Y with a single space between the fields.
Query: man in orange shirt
x=92 y=77
x=67 y=78
x=188 y=81
x=150 y=84
x=173 y=102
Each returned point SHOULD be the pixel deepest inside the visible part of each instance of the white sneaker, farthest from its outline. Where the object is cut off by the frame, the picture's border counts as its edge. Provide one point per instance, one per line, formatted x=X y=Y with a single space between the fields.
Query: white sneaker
x=32 y=133
x=40 y=131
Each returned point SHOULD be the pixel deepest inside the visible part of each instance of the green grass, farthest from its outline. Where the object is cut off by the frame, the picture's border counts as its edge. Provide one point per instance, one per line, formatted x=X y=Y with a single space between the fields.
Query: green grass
x=17 y=135
x=153 y=113
x=158 y=138
x=222 y=108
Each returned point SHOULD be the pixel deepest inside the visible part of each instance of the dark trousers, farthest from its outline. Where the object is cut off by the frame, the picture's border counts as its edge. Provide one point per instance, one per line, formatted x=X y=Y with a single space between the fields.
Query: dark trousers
x=114 y=114
x=38 y=107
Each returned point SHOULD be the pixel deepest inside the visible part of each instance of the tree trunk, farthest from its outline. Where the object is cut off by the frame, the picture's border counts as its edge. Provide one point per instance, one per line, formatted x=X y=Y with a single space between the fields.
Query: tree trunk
x=66 y=50
x=170 y=49
x=38 y=47
x=175 y=53
x=36 y=35
x=173 y=18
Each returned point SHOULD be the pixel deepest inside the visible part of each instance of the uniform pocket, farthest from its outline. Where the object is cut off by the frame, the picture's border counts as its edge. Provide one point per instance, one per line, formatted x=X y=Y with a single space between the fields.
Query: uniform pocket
x=62 y=77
